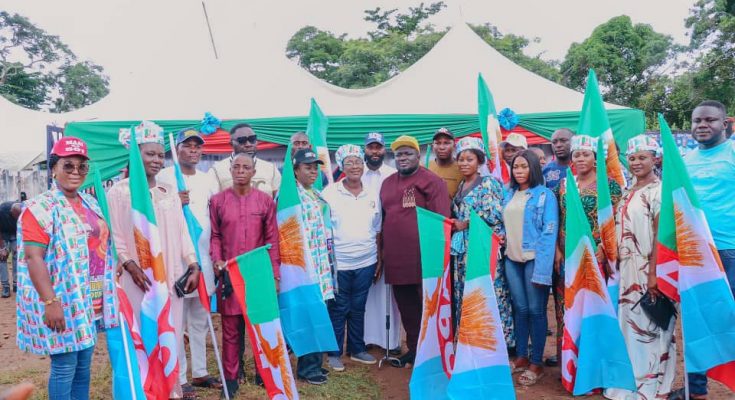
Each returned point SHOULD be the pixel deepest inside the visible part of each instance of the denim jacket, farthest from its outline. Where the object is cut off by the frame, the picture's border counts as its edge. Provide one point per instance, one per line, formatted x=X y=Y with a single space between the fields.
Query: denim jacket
x=540 y=228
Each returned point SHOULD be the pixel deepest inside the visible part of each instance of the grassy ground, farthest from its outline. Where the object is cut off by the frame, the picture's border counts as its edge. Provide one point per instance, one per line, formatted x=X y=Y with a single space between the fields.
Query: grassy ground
x=354 y=383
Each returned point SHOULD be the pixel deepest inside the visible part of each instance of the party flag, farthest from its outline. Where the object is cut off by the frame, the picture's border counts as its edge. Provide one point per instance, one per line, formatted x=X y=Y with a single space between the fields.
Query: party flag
x=435 y=352
x=304 y=315
x=160 y=372
x=255 y=289
x=125 y=373
x=594 y=354
x=593 y=122
x=489 y=126
x=606 y=222
x=195 y=229
x=316 y=130
x=689 y=270
x=481 y=369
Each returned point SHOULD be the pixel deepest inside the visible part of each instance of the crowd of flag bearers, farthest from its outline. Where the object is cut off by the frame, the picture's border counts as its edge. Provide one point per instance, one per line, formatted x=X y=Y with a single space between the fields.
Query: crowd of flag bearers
x=461 y=253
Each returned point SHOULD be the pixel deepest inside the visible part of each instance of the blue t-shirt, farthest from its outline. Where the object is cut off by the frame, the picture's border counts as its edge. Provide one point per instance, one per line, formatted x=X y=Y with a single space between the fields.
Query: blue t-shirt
x=712 y=172
x=553 y=174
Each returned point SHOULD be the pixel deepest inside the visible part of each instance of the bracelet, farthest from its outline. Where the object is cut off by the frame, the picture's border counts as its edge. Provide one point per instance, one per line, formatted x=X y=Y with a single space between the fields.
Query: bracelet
x=48 y=302
x=124 y=265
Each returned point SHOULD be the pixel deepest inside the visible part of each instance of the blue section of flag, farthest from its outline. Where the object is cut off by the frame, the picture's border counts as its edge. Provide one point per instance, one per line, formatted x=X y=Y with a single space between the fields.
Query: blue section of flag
x=613 y=289
x=305 y=320
x=603 y=357
x=120 y=377
x=708 y=318
x=489 y=383
x=428 y=381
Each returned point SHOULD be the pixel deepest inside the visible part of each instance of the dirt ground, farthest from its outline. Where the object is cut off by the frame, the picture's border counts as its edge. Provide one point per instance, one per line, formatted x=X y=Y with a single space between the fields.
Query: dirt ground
x=358 y=382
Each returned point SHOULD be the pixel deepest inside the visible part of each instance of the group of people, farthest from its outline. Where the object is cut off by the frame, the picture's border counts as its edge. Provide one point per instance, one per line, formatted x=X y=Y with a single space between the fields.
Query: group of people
x=363 y=242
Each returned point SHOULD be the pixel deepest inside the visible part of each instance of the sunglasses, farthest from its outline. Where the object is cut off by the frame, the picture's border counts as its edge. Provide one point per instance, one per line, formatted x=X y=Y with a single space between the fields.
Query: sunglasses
x=81 y=169
x=247 y=139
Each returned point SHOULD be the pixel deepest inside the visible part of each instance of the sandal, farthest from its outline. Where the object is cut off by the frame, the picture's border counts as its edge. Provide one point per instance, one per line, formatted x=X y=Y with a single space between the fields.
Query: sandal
x=207 y=382
x=529 y=378
x=188 y=392
x=515 y=369
x=405 y=361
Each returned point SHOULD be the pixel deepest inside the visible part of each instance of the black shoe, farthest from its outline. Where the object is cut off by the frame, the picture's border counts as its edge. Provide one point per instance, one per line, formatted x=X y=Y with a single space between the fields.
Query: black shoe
x=259 y=380
x=325 y=372
x=395 y=351
x=315 y=380
x=6 y=292
x=232 y=387
x=403 y=360
x=551 y=361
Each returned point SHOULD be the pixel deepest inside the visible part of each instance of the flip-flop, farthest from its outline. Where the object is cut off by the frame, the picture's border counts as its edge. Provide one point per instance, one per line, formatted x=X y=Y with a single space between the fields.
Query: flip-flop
x=529 y=378
x=515 y=370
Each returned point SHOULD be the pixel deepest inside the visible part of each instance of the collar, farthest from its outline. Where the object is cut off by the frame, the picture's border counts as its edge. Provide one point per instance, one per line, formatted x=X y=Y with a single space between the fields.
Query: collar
x=342 y=189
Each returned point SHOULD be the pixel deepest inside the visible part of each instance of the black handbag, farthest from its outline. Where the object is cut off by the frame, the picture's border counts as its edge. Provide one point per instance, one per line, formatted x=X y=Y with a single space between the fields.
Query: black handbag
x=659 y=309
x=180 y=285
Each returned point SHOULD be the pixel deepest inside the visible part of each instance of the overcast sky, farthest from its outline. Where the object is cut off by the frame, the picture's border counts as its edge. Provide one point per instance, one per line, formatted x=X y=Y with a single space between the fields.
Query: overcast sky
x=558 y=23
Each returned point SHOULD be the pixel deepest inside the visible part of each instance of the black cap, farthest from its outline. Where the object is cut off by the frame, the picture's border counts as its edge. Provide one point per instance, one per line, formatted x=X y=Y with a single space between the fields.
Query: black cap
x=443 y=131
x=306 y=156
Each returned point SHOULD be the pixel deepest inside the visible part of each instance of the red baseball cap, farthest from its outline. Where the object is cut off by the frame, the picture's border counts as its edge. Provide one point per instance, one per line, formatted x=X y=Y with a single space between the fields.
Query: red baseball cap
x=70 y=146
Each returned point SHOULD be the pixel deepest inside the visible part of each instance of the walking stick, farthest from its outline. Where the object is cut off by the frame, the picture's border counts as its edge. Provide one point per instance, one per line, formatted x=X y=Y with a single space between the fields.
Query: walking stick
x=217 y=356
x=388 y=307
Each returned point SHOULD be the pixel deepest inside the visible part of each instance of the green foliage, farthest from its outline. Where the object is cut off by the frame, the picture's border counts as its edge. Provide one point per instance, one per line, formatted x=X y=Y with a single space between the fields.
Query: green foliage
x=37 y=70
x=625 y=56
x=513 y=46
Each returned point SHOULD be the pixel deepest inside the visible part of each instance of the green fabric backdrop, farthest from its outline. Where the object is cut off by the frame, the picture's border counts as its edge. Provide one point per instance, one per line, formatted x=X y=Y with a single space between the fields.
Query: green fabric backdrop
x=110 y=156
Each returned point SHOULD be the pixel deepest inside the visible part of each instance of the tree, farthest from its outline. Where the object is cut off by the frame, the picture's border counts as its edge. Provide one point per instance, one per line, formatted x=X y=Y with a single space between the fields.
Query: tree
x=397 y=41
x=626 y=58
x=35 y=65
x=513 y=47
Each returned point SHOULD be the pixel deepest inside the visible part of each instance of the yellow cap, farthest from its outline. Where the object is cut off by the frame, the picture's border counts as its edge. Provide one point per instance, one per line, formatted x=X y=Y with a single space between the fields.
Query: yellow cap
x=405 y=140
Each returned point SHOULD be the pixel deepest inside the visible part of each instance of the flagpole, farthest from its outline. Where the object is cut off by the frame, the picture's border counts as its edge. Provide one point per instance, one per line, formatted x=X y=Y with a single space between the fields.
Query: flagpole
x=127 y=356
x=217 y=356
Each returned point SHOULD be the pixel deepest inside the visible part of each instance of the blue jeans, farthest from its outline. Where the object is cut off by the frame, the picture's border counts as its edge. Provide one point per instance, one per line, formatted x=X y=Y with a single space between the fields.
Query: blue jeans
x=529 y=306
x=348 y=307
x=70 y=374
x=4 y=273
x=698 y=382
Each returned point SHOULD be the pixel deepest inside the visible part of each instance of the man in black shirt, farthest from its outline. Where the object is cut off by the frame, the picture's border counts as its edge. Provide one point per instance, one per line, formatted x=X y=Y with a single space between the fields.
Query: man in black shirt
x=9 y=213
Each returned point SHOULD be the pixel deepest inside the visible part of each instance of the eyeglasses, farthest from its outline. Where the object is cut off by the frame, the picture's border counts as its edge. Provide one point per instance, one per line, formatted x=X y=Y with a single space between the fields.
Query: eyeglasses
x=81 y=169
x=246 y=139
x=355 y=163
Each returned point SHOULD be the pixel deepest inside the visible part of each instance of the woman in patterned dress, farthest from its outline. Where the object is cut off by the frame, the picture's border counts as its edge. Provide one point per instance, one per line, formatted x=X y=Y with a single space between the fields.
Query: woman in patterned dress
x=652 y=350
x=65 y=274
x=584 y=160
x=483 y=195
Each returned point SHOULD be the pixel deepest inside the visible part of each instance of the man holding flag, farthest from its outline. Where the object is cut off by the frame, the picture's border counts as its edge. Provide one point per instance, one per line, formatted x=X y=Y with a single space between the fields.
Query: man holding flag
x=201 y=186
x=712 y=170
x=155 y=251
x=242 y=219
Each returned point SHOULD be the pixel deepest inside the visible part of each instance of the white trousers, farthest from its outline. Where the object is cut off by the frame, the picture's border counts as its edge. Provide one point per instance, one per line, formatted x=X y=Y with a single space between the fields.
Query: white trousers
x=196 y=325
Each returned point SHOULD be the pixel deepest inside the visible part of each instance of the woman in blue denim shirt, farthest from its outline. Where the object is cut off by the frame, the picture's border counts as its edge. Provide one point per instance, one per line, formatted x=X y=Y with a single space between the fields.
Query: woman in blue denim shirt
x=531 y=221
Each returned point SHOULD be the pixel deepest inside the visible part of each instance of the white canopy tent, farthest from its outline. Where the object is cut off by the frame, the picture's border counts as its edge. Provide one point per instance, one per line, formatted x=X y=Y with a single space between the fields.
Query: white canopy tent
x=161 y=66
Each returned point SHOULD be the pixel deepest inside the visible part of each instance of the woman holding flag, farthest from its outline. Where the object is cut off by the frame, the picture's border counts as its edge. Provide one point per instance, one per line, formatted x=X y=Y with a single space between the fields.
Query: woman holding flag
x=483 y=195
x=65 y=274
x=162 y=237
x=651 y=348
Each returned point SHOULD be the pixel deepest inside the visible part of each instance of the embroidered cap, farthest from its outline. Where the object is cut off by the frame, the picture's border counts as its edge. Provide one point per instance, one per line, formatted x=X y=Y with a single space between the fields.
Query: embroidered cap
x=375 y=137
x=469 y=142
x=347 y=150
x=584 y=142
x=642 y=143
x=145 y=132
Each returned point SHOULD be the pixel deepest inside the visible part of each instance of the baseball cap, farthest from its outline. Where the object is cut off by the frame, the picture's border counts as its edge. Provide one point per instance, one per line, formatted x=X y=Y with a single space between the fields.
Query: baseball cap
x=516 y=140
x=405 y=140
x=443 y=131
x=374 y=137
x=188 y=133
x=70 y=146
x=306 y=156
